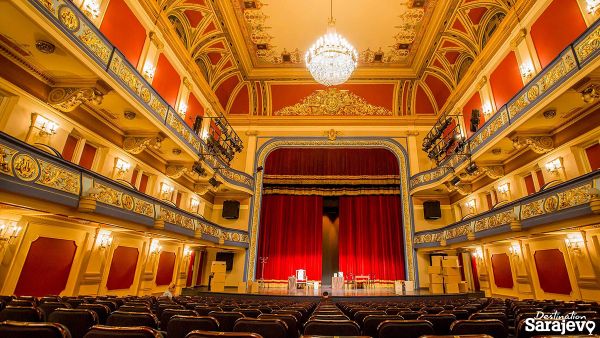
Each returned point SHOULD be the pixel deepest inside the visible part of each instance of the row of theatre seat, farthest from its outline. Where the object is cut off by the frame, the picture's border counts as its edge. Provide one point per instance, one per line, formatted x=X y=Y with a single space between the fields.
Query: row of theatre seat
x=194 y=317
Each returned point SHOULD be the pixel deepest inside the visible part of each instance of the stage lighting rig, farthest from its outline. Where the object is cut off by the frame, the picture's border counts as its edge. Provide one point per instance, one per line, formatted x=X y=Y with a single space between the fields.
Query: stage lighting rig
x=222 y=141
x=471 y=168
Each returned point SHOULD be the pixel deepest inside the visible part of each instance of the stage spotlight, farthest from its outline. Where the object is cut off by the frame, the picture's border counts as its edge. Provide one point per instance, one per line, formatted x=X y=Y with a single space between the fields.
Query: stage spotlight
x=471 y=168
x=197 y=125
x=455 y=180
x=474 y=120
x=198 y=169
x=214 y=182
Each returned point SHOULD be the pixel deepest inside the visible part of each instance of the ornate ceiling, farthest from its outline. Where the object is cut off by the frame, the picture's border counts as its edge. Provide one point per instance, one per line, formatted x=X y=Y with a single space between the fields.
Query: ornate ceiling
x=419 y=48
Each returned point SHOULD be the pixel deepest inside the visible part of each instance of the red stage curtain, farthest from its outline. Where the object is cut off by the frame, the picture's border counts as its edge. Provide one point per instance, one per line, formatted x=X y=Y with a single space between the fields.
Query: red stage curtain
x=331 y=161
x=371 y=241
x=291 y=236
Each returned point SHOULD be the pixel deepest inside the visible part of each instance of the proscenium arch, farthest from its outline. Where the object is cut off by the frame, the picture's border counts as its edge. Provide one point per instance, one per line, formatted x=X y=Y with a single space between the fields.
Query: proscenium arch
x=342 y=142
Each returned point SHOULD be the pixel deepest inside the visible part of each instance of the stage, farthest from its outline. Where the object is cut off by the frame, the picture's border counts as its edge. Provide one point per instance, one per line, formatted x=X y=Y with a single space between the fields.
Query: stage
x=383 y=294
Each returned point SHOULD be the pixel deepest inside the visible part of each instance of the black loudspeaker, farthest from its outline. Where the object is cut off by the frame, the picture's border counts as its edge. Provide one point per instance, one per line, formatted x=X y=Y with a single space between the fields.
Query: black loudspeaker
x=474 y=120
x=231 y=210
x=432 y=210
x=197 y=124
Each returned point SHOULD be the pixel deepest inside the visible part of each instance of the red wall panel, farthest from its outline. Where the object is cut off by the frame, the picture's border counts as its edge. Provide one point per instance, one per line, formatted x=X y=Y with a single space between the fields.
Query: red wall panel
x=194 y=109
x=122 y=268
x=423 y=105
x=87 y=156
x=143 y=183
x=501 y=269
x=560 y=24
x=69 y=147
x=201 y=259
x=593 y=155
x=166 y=265
x=119 y=19
x=540 y=177
x=552 y=271
x=529 y=184
x=47 y=267
x=241 y=104
x=438 y=88
x=473 y=103
x=166 y=80
x=506 y=80
x=190 y=269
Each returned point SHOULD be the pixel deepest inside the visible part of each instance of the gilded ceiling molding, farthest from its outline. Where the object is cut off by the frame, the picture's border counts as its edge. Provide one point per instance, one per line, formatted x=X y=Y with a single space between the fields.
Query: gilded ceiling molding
x=539 y=144
x=333 y=102
x=175 y=170
x=135 y=145
x=66 y=99
x=349 y=142
x=494 y=171
x=201 y=189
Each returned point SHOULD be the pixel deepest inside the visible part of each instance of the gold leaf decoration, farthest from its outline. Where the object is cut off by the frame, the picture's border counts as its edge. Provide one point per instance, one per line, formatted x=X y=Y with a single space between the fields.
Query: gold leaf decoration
x=333 y=102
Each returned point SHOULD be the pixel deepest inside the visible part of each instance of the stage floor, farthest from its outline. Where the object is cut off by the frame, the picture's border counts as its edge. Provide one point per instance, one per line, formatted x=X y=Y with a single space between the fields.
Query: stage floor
x=384 y=293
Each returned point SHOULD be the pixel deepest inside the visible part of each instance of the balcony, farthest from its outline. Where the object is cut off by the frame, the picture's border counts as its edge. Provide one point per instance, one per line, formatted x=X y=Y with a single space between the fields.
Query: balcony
x=29 y=171
x=81 y=31
x=567 y=200
x=567 y=64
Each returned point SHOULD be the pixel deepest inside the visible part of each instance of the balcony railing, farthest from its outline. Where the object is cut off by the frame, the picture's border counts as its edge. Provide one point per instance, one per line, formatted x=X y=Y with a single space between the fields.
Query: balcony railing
x=29 y=171
x=567 y=200
x=77 y=27
x=572 y=59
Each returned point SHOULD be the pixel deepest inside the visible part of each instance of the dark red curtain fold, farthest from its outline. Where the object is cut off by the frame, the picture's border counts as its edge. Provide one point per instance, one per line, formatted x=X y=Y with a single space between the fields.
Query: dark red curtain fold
x=370 y=236
x=291 y=236
x=331 y=161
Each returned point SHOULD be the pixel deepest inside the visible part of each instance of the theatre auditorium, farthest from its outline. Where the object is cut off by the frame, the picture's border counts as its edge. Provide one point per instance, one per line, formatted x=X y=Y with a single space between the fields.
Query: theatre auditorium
x=299 y=168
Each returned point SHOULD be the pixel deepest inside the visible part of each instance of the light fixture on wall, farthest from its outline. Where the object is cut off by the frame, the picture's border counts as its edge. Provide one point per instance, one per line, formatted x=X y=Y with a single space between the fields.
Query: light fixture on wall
x=121 y=167
x=526 y=69
x=155 y=247
x=504 y=188
x=187 y=252
x=471 y=206
x=9 y=230
x=194 y=204
x=331 y=59
x=183 y=107
x=165 y=191
x=45 y=126
x=487 y=109
x=575 y=242
x=149 y=71
x=593 y=6
x=554 y=166
x=514 y=249
x=91 y=9
x=104 y=239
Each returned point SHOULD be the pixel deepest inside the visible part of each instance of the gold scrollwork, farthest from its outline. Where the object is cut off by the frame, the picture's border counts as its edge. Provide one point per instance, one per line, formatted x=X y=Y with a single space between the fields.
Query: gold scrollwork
x=68 y=18
x=26 y=167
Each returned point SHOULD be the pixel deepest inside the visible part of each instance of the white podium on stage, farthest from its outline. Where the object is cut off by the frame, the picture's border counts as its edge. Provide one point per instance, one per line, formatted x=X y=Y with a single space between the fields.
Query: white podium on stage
x=301 y=278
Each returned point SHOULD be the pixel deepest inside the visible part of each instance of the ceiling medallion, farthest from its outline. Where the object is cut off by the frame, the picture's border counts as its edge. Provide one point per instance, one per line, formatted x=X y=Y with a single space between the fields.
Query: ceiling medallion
x=45 y=46
x=331 y=59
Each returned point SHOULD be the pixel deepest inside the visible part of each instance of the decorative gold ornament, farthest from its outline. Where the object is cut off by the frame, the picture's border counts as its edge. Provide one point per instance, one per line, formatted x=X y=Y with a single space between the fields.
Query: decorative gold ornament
x=176 y=171
x=332 y=134
x=539 y=144
x=333 y=102
x=136 y=145
x=67 y=99
x=26 y=167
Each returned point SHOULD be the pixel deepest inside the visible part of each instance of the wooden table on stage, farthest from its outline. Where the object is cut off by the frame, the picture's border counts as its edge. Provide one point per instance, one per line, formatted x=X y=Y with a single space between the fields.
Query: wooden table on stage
x=337 y=283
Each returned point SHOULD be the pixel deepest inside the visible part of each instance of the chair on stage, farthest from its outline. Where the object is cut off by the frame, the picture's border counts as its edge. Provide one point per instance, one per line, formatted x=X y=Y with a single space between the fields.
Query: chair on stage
x=301 y=278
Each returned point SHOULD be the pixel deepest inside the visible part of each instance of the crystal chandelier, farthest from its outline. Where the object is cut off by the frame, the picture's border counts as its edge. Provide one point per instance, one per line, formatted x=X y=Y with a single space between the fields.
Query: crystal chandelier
x=331 y=59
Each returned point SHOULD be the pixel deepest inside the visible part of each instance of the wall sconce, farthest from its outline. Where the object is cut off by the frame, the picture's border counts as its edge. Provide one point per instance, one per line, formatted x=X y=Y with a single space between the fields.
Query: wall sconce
x=593 y=6
x=187 y=252
x=166 y=190
x=526 y=69
x=149 y=71
x=104 y=239
x=504 y=188
x=554 y=166
x=91 y=9
x=487 y=109
x=575 y=243
x=194 y=203
x=470 y=205
x=183 y=109
x=8 y=232
x=46 y=127
x=121 y=167
x=204 y=135
x=478 y=254
x=155 y=247
x=514 y=250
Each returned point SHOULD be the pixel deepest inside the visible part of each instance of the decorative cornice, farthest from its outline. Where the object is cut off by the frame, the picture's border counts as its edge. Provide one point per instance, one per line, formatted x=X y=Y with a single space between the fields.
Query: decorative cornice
x=333 y=102
x=135 y=145
x=520 y=37
x=154 y=38
x=66 y=99
x=539 y=144
x=175 y=171
x=494 y=171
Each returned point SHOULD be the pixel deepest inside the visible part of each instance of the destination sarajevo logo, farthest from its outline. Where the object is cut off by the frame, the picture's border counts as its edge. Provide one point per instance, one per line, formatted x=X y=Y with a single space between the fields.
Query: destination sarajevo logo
x=559 y=324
